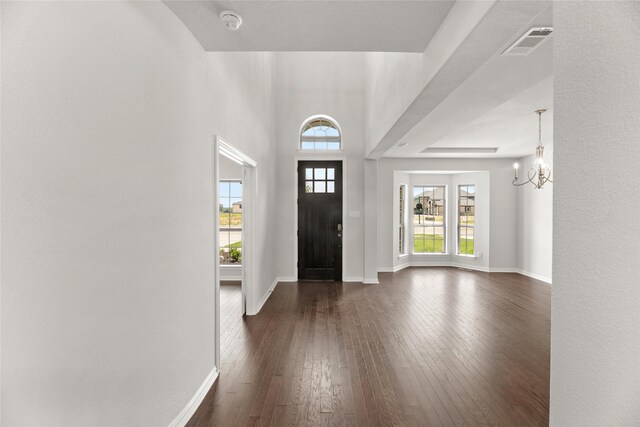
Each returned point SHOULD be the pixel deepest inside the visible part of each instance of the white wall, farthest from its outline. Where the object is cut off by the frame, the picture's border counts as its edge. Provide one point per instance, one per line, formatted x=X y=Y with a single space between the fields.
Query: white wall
x=109 y=111
x=229 y=169
x=535 y=224
x=595 y=304
x=332 y=86
x=497 y=218
x=503 y=218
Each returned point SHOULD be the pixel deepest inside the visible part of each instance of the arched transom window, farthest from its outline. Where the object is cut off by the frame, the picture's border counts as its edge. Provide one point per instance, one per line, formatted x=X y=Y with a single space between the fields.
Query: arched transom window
x=320 y=133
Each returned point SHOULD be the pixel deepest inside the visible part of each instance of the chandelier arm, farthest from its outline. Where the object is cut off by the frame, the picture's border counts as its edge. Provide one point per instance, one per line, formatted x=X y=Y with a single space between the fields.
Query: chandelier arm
x=531 y=174
x=517 y=184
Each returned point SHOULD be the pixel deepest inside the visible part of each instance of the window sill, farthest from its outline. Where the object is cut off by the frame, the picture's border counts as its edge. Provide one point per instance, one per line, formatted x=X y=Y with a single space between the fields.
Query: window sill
x=403 y=256
x=230 y=265
x=428 y=254
x=467 y=256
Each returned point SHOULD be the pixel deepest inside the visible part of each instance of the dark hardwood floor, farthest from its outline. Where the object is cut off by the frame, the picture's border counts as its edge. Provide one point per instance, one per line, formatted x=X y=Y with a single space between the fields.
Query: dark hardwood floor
x=428 y=346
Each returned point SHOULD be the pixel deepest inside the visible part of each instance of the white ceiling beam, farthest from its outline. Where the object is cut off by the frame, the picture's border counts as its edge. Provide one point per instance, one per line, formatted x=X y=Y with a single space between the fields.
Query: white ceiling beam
x=493 y=33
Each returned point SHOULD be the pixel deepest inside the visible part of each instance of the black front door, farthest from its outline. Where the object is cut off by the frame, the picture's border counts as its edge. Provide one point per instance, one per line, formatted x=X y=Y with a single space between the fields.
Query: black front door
x=320 y=220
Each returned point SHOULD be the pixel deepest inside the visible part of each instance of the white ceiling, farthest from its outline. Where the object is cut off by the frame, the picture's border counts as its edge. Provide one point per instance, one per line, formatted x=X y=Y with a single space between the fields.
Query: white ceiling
x=494 y=107
x=354 y=26
x=512 y=127
x=480 y=99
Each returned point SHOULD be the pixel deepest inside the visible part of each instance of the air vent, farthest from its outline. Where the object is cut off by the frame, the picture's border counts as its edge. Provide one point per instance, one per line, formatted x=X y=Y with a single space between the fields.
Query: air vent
x=529 y=41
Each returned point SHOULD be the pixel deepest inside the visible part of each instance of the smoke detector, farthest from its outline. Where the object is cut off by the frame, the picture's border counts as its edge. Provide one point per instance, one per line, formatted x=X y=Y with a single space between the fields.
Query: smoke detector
x=529 y=41
x=231 y=19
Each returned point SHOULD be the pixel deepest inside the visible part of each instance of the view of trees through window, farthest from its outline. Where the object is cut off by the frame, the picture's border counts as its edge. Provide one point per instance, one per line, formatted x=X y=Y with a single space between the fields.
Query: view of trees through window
x=429 y=219
x=466 y=219
x=230 y=222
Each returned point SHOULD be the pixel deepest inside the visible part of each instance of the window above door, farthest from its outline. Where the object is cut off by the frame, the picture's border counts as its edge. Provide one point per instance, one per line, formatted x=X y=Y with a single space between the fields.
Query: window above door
x=320 y=133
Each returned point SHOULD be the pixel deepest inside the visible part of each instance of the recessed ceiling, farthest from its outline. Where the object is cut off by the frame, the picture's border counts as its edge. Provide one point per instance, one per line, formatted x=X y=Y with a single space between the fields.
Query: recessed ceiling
x=493 y=108
x=512 y=127
x=353 y=26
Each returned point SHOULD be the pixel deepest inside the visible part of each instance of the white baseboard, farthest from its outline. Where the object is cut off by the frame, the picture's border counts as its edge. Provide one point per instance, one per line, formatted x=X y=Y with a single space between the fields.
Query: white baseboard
x=535 y=276
x=287 y=279
x=431 y=264
x=503 y=270
x=266 y=296
x=467 y=266
x=472 y=267
x=394 y=269
x=187 y=412
x=352 y=279
x=371 y=281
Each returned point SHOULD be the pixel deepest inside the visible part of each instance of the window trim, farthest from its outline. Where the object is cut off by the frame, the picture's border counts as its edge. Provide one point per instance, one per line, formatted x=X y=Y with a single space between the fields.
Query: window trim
x=315 y=139
x=229 y=229
x=445 y=226
x=458 y=226
x=402 y=221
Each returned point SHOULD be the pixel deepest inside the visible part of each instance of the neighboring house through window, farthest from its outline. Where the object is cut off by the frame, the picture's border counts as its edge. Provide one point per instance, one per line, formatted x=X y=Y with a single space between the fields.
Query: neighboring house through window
x=230 y=222
x=429 y=219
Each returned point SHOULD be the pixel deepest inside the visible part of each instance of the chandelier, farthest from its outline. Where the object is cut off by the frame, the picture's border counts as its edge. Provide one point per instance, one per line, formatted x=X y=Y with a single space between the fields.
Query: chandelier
x=539 y=173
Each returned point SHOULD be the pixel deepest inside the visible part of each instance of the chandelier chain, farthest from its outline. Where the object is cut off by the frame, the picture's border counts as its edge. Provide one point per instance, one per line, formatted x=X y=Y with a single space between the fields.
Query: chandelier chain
x=539 y=127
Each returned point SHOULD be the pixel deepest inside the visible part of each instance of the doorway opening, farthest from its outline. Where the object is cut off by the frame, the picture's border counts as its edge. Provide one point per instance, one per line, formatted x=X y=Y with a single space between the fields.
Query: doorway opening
x=234 y=197
x=320 y=226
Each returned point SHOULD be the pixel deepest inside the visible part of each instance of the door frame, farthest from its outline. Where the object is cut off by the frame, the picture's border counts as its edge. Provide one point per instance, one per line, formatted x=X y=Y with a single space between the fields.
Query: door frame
x=249 y=194
x=321 y=157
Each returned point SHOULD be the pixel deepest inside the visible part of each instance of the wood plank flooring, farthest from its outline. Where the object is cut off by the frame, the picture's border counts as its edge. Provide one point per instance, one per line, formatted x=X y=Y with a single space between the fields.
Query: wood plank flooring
x=428 y=346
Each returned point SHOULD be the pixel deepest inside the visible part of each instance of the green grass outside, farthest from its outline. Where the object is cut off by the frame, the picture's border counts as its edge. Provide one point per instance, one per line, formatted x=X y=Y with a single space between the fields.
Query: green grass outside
x=230 y=219
x=466 y=246
x=234 y=245
x=430 y=243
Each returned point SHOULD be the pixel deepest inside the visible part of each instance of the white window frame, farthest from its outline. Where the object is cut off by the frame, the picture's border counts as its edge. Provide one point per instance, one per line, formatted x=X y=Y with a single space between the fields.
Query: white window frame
x=402 y=220
x=445 y=221
x=320 y=139
x=459 y=226
x=229 y=229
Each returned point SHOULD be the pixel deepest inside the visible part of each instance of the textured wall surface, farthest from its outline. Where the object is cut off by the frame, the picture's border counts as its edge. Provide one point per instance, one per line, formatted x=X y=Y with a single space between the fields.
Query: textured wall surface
x=595 y=313
x=109 y=111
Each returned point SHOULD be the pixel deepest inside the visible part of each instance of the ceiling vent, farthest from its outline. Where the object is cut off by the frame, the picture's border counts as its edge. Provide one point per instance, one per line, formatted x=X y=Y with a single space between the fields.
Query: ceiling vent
x=529 y=41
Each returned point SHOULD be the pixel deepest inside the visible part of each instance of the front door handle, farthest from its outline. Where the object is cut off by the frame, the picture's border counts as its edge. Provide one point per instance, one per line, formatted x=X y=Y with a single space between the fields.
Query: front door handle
x=339 y=227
